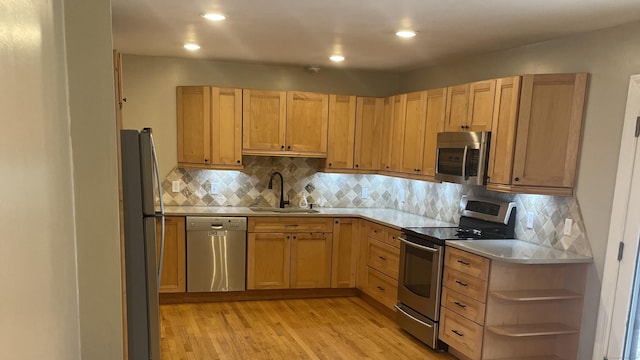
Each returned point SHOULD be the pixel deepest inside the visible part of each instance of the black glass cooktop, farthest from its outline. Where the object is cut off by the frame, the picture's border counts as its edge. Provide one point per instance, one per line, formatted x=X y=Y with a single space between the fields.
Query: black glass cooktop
x=439 y=235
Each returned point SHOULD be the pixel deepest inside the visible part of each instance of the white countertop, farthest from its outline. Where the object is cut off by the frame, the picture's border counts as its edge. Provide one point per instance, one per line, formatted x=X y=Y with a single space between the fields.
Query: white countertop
x=518 y=251
x=388 y=217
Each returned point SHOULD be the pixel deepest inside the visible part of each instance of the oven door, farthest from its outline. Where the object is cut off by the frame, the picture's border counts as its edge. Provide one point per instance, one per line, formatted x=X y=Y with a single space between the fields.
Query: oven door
x=420 y=276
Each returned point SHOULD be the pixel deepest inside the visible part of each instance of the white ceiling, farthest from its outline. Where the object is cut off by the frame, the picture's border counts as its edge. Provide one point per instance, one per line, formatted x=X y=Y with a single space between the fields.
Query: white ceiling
x=305 y=32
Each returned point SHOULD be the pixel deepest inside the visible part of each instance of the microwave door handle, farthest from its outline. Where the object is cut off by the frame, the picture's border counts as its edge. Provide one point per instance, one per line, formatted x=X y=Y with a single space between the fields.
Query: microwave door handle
x=437 y=159
x=464 y=162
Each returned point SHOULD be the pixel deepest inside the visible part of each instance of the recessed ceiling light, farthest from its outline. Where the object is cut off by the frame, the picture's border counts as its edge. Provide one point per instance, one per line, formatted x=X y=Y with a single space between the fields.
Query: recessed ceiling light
x=191 y=47
x=214 y=17
x=336 y=58
x=406 y=33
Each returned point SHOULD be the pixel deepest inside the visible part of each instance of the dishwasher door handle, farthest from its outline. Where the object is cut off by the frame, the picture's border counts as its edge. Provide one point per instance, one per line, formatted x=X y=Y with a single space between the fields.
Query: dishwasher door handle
x=216 y=227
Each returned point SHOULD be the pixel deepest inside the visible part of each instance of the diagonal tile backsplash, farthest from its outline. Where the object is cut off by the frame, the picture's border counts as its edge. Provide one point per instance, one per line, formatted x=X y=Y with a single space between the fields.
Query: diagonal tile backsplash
x=439 y=201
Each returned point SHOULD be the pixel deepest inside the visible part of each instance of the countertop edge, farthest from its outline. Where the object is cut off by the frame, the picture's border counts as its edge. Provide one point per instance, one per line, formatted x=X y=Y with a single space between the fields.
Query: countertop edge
x=576 y=259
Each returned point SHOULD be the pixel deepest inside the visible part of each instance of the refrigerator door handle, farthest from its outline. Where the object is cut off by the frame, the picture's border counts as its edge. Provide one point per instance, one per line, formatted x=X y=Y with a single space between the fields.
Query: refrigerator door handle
x=161 y=214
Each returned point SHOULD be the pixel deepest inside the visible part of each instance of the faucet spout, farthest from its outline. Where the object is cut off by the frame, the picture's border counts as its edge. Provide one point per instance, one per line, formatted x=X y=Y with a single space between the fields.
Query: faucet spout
x=283 y=202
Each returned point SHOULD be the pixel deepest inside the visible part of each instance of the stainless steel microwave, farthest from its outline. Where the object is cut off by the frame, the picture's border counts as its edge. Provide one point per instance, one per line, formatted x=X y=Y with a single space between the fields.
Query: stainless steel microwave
x=462 y=157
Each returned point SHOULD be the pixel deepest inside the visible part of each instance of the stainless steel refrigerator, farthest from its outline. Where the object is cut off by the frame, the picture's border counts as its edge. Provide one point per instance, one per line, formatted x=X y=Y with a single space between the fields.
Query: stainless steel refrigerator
x=140 y=184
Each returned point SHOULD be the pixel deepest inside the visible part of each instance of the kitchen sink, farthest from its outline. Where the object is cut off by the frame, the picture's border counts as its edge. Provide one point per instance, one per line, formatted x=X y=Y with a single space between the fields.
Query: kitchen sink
x=285 y=210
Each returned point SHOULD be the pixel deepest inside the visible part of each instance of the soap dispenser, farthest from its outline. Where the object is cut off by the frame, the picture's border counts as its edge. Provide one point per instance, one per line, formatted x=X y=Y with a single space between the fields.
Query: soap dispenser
x=303 y=201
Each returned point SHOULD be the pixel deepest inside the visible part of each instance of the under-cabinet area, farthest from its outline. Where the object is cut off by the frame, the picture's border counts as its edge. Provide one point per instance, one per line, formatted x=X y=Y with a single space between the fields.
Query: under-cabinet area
x=534 y=122
x=490 y=307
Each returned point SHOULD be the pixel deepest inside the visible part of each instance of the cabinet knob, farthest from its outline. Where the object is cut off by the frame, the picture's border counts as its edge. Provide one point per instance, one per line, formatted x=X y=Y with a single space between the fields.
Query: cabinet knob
x=357 y=165
x=387 y=166
x=238 y=161
x=337 y=222
x=516 y=179
x=206 y=160
x=330 y=164
x=461 y=126
x=282 y=147
x=289 y=147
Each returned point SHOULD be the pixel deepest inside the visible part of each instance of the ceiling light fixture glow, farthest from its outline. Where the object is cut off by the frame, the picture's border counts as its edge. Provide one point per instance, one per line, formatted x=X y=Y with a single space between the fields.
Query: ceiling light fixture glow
x=214 y=17
x=336 y=58
x=192 y=47
x=406 y=33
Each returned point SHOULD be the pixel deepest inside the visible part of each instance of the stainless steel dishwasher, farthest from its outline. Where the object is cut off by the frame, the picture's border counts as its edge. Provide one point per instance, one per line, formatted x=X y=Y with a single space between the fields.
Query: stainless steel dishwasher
x=216 y=253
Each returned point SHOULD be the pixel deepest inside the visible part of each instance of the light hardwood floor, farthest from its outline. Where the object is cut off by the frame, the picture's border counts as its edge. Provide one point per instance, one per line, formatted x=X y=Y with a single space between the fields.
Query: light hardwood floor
x=328 y=328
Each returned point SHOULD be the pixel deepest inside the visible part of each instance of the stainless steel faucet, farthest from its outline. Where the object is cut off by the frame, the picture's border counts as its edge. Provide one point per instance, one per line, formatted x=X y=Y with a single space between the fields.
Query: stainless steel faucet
x=283 y=202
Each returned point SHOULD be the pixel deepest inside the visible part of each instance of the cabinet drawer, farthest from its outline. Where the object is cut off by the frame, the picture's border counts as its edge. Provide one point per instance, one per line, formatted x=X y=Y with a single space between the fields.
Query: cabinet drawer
x=289 y=224
x=465 y=284
x=375 y=231
x=383 y=258
x=461 y=334
x=463 y=305
x=382 y=288
x=392 y=237
x=468 y=263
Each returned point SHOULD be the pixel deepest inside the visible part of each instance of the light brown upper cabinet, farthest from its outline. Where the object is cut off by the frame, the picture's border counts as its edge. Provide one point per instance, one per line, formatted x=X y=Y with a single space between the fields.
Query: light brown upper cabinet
x=547 y=135
x=209 y=127
x=369 y=123
x=397 y=131
x=342 y=128
x=278 y=123
x=386 y=141
x=436 y=101
x=412 y=142
x=470 y=106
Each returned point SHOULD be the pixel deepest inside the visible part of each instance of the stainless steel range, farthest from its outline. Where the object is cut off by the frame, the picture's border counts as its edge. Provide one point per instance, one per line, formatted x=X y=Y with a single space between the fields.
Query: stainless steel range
x=422 y=260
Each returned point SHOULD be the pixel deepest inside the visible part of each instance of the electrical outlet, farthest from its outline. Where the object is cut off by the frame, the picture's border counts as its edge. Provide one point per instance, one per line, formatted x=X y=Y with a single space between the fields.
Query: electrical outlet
x=215 y=189
x=175 y=186
x=567 y=226
x=365 y=193
x=530 y=220
x=402 y=196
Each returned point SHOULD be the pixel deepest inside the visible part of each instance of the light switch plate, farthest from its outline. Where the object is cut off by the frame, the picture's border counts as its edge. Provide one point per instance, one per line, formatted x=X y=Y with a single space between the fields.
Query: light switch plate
x=175 y=186
x=567 y=226
x=530 y=220
x=365 y=193
x=215 y=189
x=402 y=196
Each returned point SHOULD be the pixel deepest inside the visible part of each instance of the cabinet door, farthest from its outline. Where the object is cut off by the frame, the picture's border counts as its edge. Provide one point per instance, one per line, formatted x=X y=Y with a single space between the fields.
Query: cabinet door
x=173 y=277
x=268 y=260
x=413 y=132
x=311 y=260
x=457 y=108
x=263 y=121
x=307 y=122
x=481 y=100
x=369 y=112
x=342 y=129
x=434 y=123
x=548 y=132
x=503 y=130
x=344 y=260
x=397 y=130
x=387 y=125
x=194 y=124
x=226 y=127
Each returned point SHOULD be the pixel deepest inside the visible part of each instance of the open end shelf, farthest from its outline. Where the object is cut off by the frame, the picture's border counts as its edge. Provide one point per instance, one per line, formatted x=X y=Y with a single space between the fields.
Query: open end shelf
x=532 y=330
x=536 y=295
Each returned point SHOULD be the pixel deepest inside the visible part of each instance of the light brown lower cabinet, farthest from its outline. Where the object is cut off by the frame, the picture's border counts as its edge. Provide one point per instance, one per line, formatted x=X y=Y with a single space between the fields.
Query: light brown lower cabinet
x=291 y=253
x=344 y=260
x=173 y=278
x=379 y=263
x=500 y=310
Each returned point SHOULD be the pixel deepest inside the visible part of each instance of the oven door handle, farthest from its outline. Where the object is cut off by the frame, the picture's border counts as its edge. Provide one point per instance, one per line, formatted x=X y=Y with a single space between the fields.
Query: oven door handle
x=413 y=317
x=418 y=246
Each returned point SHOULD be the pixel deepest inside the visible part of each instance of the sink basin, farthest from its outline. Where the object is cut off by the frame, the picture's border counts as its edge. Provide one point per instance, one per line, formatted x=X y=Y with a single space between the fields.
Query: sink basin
x=285 y=210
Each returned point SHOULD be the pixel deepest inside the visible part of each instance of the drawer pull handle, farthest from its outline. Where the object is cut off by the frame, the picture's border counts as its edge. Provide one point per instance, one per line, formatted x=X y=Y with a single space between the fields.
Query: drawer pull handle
x=462 y=283
x=382 y=258
x=460 y=304
x=291 y=225
x=380 y=288
x=464 y=263
x=457 y=332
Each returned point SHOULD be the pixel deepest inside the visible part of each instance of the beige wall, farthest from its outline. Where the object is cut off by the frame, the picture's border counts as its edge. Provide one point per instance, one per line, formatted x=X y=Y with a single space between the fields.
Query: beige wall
x=611 y=56
x=93 y=138
x=150 y=88
x=38 y=300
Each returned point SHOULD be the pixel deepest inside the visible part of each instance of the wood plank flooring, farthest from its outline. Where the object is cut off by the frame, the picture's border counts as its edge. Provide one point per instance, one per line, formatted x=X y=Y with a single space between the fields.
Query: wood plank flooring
x=328 y=328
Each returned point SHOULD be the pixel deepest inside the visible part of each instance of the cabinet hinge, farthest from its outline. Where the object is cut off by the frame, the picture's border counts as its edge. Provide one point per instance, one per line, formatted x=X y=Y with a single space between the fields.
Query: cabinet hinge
x=620 y=250
x=638 y=126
